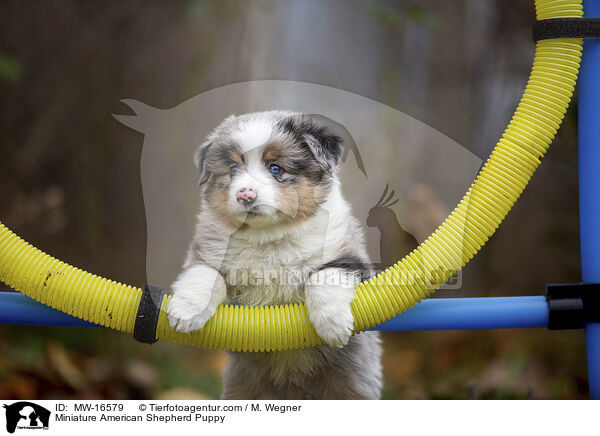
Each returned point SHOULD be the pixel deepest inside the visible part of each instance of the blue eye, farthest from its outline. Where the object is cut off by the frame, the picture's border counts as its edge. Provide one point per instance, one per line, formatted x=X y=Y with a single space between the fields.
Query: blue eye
x=275 y=169
x=234 y=170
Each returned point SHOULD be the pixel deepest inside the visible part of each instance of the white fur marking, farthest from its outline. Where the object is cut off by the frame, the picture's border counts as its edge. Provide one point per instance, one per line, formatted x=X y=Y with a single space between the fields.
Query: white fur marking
x=253 y=134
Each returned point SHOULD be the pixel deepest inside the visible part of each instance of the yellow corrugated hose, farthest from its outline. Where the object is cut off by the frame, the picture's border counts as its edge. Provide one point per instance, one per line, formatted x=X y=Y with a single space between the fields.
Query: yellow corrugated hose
x=482 y=209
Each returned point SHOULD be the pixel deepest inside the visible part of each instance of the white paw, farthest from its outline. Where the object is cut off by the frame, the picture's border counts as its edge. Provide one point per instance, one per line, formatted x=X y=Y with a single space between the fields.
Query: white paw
x=328 y=295
x=335 y=327
x=187 y=316
x=198 y=291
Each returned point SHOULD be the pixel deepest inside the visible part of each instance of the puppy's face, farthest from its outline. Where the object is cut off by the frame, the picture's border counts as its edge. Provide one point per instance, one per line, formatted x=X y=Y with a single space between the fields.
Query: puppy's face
x=267 y=168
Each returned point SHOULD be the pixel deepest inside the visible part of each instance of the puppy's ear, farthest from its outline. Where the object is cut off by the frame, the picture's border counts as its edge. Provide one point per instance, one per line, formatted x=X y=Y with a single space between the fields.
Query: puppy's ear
x=325 y=146
x=200 y=161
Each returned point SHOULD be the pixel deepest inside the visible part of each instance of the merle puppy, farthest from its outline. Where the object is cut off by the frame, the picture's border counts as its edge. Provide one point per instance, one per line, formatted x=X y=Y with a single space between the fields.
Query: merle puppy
x=274 y=228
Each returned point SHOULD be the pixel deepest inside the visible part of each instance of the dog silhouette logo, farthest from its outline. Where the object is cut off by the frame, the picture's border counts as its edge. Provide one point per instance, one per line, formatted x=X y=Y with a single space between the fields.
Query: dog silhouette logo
x=425 y=171
x=26 y=415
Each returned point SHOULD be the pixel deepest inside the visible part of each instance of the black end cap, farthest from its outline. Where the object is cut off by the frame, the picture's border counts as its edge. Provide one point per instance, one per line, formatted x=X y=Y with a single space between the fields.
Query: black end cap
x=571 y=305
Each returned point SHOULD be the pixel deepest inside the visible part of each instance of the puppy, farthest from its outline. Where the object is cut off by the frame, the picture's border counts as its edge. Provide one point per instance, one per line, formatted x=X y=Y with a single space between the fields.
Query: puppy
x=273 y=228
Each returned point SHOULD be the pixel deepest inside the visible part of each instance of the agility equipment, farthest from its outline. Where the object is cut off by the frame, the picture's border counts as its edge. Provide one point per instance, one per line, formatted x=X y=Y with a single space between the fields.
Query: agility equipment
x=496 y=188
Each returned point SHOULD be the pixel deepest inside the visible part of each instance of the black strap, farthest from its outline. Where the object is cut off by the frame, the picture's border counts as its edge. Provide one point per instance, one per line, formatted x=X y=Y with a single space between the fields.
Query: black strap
x=146 y=320
x=566 y=28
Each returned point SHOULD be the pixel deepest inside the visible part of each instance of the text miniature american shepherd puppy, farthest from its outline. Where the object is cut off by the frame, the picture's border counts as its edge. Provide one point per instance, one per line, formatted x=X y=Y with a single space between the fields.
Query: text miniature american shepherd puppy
x=274 y=228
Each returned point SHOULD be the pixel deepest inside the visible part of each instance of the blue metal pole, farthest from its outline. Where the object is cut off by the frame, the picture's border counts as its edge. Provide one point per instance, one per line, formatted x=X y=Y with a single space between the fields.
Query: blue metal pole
x=20 y=309
x=589 y=185
x=472 y=313
x=431 y=314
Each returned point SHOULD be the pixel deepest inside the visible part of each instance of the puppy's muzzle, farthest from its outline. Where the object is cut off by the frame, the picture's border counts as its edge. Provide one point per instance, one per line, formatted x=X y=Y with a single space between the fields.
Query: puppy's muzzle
x=246 y=196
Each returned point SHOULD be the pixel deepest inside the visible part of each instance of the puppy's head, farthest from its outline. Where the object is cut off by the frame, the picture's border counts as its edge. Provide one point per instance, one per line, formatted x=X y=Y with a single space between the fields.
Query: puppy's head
x=268 y=168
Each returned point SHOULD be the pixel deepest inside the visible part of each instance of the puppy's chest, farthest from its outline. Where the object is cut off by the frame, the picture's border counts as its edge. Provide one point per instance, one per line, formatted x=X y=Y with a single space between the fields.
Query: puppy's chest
x=265 y=273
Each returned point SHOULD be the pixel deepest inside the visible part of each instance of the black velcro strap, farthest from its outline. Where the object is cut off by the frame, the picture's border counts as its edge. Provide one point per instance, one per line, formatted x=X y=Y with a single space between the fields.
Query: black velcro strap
x=566 y=28
x=146 y=320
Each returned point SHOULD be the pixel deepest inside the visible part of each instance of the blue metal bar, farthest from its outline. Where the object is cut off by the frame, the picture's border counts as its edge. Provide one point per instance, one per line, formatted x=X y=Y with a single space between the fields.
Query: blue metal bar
x=472 y=313
x=20 y=309
x=431 y=314
x=589 y=185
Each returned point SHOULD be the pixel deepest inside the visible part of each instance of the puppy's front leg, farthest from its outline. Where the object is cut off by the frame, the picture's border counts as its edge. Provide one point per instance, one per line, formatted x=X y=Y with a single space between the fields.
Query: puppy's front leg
x=197 y=293
x=328 y=294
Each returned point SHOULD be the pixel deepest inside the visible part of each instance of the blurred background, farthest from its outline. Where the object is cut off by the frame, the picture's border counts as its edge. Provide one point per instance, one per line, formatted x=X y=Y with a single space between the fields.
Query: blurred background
x=70 y=181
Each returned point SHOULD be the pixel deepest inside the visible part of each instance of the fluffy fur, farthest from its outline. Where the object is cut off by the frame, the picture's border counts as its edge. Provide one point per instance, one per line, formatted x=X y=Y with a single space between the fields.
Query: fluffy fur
x=294 y=240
